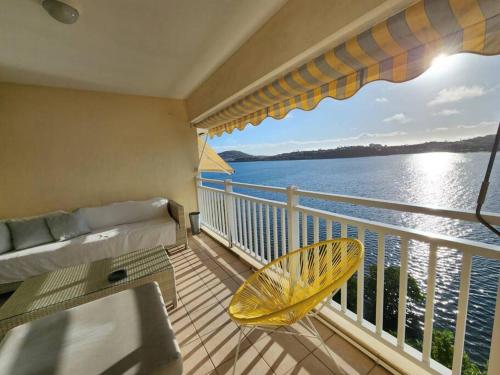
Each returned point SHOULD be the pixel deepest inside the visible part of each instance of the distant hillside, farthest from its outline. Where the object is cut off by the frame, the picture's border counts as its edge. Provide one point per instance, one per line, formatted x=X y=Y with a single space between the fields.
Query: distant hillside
x=235 y=156
x=468 y=145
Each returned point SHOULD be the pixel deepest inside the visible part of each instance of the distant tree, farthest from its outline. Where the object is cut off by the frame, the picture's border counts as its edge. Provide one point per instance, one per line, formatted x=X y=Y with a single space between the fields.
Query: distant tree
x=442 y=351
x=442 y=339
x=391 y=299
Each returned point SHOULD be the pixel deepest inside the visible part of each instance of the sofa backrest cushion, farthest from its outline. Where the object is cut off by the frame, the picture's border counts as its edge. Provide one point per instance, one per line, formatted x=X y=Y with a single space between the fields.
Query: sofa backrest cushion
x=65 y=226
x=5 y=241
x=29 y=232
x=124 y=212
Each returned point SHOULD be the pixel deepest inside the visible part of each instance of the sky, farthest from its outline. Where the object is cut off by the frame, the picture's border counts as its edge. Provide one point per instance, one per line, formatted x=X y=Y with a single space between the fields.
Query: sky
x=458 y=97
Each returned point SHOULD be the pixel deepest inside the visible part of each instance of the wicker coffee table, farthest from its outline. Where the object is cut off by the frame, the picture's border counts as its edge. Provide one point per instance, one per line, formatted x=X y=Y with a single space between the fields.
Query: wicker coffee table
x=73 y=286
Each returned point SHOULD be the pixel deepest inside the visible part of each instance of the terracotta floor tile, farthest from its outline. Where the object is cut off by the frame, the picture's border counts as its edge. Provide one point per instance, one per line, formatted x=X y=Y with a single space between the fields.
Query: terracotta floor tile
x=310 y=366
x=184 y=329
x=311 y=343
x=196 y=287
x=379 y=370
x=199 y=300
x=195 y=359
x=249 y=363
x=347 y=358
x=221 y=344
x=234 y=268
x=242 y=277
x=209 y=319
x=256 y=335
x=281 y=351
x=217 y=273
x=223 y=290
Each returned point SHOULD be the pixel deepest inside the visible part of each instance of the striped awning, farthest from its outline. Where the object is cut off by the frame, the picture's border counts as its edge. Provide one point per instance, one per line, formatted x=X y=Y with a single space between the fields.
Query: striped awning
x=396 y=50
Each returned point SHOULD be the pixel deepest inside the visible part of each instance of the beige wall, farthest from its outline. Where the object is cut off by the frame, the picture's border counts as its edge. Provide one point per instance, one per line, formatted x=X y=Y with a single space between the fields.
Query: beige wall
x=63 y=149
x=293 y=35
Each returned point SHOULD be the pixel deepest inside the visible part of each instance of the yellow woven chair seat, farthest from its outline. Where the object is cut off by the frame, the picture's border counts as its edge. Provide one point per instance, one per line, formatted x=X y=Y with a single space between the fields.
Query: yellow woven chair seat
x=285 y=290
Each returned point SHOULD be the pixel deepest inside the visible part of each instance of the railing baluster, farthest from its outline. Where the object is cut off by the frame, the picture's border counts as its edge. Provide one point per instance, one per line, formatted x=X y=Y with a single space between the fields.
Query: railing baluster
x=329 y=227
x=360 y=300
x=429 y=305
x=304 y=229
x=210 y=212
x=343 y=296
x=222 y=210
x=216 y=212
x=316 y=251
x=230 y=216
x=275 y=231
x=293 y=218
x=283 y=232
x=261 y=233
x=245 y=231
x=379 y=306
x=316 y=228
x=403 y=288
x=240 y=234
x=494 y=362
x=199 y=193
x=463 y=302
x=250 y=225
x=255 y=248
x=268 y=234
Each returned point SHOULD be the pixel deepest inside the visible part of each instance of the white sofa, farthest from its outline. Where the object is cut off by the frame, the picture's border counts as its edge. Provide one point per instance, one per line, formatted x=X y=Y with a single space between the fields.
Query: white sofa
x=116 y=229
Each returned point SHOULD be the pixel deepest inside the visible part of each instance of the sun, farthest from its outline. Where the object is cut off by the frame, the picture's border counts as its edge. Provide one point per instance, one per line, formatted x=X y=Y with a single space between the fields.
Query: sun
x=441 y=65
x=440 y=61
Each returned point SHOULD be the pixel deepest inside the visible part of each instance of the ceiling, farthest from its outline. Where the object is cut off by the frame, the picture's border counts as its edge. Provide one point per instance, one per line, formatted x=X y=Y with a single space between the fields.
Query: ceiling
x=162 y=48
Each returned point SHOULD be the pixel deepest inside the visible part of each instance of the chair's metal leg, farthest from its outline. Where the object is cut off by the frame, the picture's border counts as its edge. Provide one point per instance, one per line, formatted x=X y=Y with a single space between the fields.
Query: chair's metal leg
x=237 y=350
x=320 y=338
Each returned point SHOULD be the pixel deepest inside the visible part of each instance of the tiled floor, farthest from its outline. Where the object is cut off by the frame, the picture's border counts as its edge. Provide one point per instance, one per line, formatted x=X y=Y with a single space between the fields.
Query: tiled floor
x=207 y=274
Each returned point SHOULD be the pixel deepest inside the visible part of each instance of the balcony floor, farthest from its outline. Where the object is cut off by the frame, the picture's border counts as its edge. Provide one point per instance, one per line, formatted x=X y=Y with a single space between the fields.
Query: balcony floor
x=207 y=274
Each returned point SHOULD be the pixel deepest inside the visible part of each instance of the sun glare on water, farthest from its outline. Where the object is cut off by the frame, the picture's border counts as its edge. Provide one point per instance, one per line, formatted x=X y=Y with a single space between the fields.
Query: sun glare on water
x=430 y=173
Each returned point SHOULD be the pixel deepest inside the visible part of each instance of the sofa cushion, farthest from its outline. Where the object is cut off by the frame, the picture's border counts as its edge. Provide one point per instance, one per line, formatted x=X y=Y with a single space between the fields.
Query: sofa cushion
x=65 y=226
x=127 y=332
x=5 y=241
x=124 y=212
x=29 y=232
x=103 y=243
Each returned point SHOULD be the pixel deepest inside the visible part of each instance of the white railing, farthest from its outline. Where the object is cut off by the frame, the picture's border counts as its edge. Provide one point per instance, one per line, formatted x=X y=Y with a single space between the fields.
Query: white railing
x=265 y=229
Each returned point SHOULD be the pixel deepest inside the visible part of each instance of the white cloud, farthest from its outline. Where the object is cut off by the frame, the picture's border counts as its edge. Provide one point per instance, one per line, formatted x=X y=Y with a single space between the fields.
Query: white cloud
x=457 y=94
x=442 y=129
x=381 y=100
x=448 y=112
x=398 y=117
x=482 y=124
x=288 y=116
x=486 y=125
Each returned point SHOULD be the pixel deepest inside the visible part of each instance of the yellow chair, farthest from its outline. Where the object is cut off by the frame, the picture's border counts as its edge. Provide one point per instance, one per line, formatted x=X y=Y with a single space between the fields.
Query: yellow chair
x=286 y=290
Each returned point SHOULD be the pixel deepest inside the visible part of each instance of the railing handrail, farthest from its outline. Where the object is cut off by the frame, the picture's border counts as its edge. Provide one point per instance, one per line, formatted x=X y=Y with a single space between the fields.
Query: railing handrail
x=448 y=213
x=464 y=245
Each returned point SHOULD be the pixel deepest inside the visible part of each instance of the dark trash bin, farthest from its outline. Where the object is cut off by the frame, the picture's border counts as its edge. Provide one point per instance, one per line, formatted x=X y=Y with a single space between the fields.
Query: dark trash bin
x=194 y=219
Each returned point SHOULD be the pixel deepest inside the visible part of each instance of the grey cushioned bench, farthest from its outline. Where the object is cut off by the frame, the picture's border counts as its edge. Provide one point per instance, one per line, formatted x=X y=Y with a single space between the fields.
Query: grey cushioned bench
x=128 y=332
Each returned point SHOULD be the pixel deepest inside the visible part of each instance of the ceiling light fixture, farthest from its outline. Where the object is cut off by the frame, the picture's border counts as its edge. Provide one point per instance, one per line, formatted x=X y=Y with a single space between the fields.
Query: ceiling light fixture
x=61 y=11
